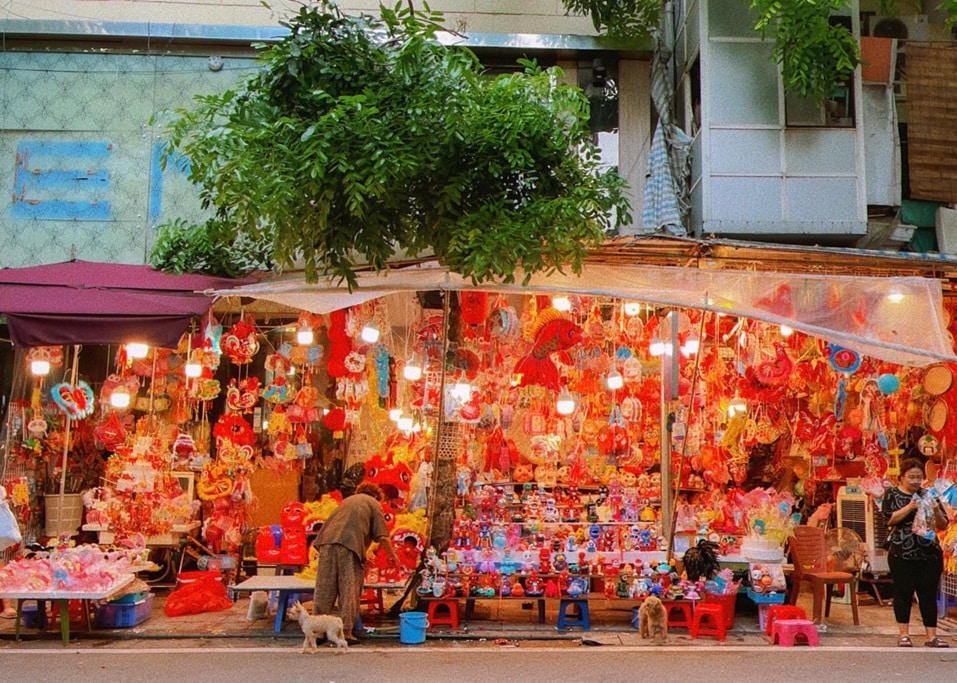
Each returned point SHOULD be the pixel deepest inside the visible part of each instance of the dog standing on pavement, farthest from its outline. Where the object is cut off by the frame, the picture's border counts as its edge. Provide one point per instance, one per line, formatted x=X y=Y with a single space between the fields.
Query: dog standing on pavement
x=653 y=619
x=313 y=625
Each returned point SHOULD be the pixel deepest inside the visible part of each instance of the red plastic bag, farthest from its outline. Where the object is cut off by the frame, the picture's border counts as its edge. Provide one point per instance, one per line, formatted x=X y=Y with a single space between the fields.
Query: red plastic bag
x=198 y=597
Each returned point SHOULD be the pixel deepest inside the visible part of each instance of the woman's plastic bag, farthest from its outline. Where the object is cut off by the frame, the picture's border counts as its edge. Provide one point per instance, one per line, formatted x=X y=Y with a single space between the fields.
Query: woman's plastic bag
x=203 y=595
x=9 y=529
x=924 y=525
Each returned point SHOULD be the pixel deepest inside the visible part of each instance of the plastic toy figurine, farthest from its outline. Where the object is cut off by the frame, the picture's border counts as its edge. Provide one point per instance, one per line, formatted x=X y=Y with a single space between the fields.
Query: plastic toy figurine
x=545 y=561
x=533 y=584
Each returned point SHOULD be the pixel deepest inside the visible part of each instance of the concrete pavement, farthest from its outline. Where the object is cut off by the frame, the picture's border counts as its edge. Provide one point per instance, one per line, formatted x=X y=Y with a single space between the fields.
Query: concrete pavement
x=495 y=623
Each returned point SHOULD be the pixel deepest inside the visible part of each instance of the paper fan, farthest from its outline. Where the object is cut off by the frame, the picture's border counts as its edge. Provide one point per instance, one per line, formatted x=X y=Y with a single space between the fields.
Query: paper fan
x=937 y=380
x=935 y=416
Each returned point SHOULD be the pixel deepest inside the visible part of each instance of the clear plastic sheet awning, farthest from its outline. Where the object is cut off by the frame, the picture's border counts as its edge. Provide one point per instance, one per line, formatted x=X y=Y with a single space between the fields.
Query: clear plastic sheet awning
x=899 y=320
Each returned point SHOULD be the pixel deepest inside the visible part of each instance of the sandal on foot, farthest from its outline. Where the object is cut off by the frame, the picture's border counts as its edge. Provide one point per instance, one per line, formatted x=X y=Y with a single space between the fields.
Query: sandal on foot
x=904 y=641
x=936 y=642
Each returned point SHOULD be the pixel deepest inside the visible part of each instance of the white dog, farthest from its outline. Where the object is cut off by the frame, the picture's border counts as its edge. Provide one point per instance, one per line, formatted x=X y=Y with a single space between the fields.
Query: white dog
x=319 y=624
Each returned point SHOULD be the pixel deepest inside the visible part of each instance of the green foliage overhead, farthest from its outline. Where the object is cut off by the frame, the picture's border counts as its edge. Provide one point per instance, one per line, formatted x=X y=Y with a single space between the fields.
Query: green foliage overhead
x=211 y=248
x=950 y=7
x=627 y=19
x=363 y=137
x=814 y=55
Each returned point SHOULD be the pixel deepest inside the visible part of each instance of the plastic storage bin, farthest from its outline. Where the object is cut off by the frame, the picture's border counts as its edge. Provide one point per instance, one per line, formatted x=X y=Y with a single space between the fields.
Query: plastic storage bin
x=726 y=600
x=124 y=615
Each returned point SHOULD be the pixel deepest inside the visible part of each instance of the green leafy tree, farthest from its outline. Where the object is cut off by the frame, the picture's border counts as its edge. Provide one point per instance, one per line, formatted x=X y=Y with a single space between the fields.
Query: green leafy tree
x=363 y=138
x=815 y=56
x=626 y=19
x=210 y=248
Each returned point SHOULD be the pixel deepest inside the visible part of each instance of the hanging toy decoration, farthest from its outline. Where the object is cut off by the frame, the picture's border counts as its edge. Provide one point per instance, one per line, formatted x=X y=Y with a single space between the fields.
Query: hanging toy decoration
x=843 y=359
x=776 y=371
x=241 y=343
x=552 y=332
x=77 y=401
x=232 y=427
x=888 y=384
x=242 y=397
x=212 y=335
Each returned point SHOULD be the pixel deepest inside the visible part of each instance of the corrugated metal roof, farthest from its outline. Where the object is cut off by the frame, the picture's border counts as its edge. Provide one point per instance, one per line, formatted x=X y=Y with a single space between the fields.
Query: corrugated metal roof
x=777 y=258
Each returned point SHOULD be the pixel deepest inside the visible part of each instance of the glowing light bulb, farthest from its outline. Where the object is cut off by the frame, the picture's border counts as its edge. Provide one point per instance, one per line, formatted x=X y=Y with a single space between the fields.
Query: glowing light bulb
x=462 y=391
x=305 y=336
x=737 y=406
x=657 y=347
x=691 y=345
x=369 y=334
x=565 y=405
x=561 y=303
x=137 y=350
x=404 y=423
x=786 y=331
x=193 y=369
x=412 y=370
x=632 y=308
x=40 y=368
x=120 y=398
x=895 y=297
x=395 y=414
x=614 y=380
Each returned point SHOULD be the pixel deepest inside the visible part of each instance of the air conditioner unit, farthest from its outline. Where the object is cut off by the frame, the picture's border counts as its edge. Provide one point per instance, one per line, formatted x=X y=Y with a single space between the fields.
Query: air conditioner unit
x=862 y=514
x=917 y=25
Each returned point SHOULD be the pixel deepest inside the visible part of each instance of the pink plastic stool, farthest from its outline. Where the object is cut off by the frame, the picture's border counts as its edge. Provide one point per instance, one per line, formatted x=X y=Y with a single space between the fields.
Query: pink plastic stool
x=785 y=632
x=709 y=620
x=776 y=612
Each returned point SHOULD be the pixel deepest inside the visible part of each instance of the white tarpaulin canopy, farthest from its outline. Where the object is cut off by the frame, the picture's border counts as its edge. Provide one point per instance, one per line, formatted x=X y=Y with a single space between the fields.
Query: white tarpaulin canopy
x=898 y=320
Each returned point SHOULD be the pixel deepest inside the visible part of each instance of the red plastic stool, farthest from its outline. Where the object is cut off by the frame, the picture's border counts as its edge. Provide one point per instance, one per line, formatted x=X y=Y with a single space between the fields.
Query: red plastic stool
x=679 y=612
x=709 y=620
x=451 y=618
x=785 y=632
x=372 y=598
x=776 y=612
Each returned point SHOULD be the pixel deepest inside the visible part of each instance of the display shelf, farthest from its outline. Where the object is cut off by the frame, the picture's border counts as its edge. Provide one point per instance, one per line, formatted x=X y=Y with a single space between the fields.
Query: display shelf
x=62 y=598
x=172 y=537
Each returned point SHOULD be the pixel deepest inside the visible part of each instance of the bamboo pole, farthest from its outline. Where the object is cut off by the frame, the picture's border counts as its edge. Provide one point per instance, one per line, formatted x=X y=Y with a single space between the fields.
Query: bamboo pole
x=66 y=440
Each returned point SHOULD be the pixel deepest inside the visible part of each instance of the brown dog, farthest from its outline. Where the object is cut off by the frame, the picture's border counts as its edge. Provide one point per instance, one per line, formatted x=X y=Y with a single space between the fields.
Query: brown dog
x=653 y=619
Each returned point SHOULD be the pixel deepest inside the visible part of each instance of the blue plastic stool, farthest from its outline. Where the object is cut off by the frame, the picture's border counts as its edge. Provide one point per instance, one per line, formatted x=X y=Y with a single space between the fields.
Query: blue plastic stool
x=582 y=619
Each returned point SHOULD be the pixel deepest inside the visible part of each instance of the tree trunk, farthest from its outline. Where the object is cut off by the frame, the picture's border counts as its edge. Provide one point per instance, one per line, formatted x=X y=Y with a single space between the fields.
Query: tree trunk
x=444 y=480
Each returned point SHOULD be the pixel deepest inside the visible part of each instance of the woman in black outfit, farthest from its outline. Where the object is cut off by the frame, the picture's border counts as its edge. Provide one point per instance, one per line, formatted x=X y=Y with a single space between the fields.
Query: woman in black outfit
x=916 y=561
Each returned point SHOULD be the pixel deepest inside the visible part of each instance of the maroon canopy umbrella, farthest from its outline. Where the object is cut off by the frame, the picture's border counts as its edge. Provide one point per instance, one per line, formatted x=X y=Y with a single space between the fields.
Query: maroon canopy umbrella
x=83 y=302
